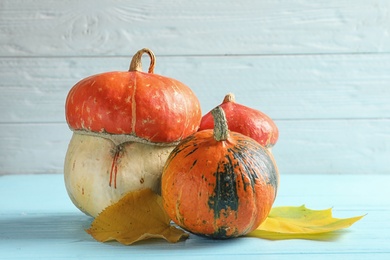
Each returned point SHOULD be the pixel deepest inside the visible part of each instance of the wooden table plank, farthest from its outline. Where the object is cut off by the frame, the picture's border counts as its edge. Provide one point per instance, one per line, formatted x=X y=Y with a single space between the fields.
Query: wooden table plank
x=37 y=220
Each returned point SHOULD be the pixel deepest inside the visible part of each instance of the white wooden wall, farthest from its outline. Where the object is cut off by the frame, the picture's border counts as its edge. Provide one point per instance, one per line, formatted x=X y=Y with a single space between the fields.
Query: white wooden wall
x=320 y=69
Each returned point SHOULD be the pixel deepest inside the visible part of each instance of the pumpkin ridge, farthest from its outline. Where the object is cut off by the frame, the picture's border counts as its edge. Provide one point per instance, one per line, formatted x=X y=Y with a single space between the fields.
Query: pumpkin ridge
x=261 y=159
x=184 y=144
x=253 y=174
x=191 y=152
x=178 y=216
x=193 y=164
x=174 y=86
x=225 y=195
x=237 y=156
x=134 y=107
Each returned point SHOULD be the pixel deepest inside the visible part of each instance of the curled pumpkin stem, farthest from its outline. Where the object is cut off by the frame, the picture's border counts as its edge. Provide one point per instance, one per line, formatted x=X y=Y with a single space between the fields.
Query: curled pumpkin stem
x=221 y=130
x=136 y=61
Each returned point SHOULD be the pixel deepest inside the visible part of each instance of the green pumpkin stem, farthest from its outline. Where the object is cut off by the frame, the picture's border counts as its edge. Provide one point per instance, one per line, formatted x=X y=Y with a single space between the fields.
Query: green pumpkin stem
x=221 y=130
x=136 y=61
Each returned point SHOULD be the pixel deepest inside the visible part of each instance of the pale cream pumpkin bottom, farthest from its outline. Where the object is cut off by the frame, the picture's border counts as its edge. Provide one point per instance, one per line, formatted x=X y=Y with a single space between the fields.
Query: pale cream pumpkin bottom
x=98 y=173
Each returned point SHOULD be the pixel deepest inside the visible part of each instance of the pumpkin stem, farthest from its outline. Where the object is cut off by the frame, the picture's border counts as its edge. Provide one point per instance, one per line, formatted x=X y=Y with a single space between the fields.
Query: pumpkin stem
x=136 y=61
x=221 y=131
x=229 y=98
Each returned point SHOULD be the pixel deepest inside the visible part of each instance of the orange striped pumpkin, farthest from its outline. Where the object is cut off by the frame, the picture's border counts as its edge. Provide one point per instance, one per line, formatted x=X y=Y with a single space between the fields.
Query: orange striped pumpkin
x=218 y=183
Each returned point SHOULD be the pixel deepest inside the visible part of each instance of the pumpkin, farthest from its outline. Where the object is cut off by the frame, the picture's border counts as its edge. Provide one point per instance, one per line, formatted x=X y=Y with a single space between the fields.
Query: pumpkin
x=98 y=172
x=125 y=124
x=133 y=105
x=245 y=120
x=219 y=183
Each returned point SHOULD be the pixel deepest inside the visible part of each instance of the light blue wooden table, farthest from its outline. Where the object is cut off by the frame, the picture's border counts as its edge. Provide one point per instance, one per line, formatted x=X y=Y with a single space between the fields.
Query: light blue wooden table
x=38 y=221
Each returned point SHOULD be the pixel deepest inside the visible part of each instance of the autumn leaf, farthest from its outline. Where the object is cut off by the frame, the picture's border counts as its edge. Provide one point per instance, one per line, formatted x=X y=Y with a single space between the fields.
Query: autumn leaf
x=301 y=222
x=139 y=215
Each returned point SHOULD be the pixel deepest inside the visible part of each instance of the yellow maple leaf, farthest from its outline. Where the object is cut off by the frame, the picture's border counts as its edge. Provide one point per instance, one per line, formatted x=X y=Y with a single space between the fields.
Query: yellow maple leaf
x=139 y=215
x=301 y=222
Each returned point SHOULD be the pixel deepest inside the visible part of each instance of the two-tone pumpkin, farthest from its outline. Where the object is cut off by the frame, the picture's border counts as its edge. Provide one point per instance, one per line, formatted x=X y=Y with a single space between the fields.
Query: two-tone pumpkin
x=125 y=124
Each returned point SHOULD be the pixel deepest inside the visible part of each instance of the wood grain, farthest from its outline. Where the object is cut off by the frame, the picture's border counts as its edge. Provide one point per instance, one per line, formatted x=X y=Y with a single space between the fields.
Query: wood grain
x=319 y=68
x=285 y=87
x=304 y=147
x=90 y=28
x=40 y=222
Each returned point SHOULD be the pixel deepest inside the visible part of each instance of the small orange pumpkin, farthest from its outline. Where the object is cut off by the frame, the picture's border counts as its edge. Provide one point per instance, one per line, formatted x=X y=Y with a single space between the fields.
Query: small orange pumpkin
x=218 y=183
x=245 y=120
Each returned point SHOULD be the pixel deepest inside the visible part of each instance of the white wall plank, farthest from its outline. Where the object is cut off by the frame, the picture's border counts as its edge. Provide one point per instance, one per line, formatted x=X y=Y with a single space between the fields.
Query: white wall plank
x=33 y=148
x=319 y=68
x=69 y=28
x=285 y=87
x=308 y=147
x=334 y=147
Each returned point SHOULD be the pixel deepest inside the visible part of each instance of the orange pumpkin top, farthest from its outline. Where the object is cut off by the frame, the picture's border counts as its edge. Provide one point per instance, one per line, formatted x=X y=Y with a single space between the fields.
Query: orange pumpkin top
x=148 y=106
x=245 y=120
